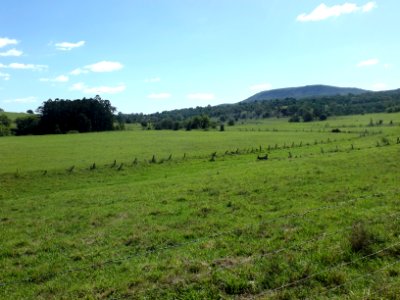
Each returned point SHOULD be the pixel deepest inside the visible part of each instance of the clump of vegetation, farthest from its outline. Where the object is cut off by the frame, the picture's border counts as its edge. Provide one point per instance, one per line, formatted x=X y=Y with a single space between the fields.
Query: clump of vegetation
x=213 y=156
x=361 y=239
x=385 y=141
x=5 y=124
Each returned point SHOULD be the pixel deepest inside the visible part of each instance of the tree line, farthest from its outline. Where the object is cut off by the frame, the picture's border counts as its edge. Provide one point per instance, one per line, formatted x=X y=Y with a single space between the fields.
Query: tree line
x=63 y=116
x=296 y=110
x=96 y=114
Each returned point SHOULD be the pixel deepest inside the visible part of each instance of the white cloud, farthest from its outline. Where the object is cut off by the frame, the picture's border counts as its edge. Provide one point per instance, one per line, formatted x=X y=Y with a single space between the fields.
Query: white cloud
x=379 y=86
x=30 y=99
x=61 y=78
x=201 y=96
x=20 y=66
x=105 y=89
x=5 y=76
x=368 y=62
x=159 y=96
x=6 y=41
x=260 y=87
x=78 y=72
x=104 y=66
x=152 y=80
x=323 y=11
x=369 y=6
x=66 y=46
x=100 y=67
x=80 y=86
x=11 y=52
x=387 y=66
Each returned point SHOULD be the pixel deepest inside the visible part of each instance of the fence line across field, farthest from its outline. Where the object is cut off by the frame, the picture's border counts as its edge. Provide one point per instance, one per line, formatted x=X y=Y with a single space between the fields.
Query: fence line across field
x=295 y=282
x=359 y=278
x=381 y=289
x=267 y=221
x=194 y=241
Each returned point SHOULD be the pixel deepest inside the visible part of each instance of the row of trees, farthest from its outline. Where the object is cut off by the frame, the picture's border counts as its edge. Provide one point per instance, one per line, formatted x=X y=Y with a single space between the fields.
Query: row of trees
x=96 y=114
x=197 y=122
x=297 y=110
x=62 y=116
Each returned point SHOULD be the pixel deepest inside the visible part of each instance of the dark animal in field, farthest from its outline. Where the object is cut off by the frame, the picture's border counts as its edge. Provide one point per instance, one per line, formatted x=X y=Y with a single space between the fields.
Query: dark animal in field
x=265 y=157
x=213 y=156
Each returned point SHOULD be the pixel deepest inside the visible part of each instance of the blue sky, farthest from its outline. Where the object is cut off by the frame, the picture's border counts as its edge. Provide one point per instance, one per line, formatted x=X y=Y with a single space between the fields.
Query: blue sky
x=155 y=55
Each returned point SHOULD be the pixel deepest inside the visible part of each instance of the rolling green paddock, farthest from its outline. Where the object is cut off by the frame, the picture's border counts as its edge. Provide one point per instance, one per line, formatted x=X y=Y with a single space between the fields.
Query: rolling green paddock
x=13 y=115
x=320 y=219
x=28 y=153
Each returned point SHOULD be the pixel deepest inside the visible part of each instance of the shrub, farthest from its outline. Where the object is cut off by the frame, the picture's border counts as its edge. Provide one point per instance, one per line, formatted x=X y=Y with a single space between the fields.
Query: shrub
x=385 y=141
x=5 y=123
x=27 y=125
x=360 y=238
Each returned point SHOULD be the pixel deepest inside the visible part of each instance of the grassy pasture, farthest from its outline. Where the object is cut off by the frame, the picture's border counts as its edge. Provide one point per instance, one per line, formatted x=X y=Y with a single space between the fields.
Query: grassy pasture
x=14 y=115
x=318 y=220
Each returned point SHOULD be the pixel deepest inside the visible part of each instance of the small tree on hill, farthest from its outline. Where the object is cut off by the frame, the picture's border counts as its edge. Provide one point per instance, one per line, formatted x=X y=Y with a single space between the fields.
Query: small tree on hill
x=5 y=124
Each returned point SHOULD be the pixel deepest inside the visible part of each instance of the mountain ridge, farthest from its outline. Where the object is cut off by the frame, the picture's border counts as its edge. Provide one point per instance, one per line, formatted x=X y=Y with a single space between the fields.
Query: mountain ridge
x=316 y=90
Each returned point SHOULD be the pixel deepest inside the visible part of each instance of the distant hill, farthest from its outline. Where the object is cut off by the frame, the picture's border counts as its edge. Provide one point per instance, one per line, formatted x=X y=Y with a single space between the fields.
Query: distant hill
x=13 y=115
x=305 y=109
x=304 y=92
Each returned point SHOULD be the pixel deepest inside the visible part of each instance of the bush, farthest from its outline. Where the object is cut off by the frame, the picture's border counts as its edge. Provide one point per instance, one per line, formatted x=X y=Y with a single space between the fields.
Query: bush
x=4 y=131
x=360 y=239
x=385 y=141
x=5 y=124
x=323 y=117
x=27 y=125
x=294 y=118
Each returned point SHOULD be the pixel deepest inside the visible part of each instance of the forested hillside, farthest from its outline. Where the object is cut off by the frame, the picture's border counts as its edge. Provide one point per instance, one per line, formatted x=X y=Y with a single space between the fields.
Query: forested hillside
x=304 y=92
x=306 y=109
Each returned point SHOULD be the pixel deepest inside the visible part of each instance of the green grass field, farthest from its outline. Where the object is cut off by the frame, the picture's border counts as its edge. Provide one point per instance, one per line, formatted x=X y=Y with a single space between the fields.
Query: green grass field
x=91 y=216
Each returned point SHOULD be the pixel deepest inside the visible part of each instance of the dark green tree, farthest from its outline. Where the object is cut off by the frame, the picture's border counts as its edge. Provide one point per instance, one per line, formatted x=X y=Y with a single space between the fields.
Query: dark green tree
x=27 y=125
x=85 y=115
x=5 y=124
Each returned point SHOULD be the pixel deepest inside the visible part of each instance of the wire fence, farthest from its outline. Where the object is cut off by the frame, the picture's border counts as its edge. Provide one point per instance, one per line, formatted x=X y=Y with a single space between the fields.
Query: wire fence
x=267 y=221
x=384 y=287
x=311 y=241
x=336 y=267
x=206 y=238
x=358 y=278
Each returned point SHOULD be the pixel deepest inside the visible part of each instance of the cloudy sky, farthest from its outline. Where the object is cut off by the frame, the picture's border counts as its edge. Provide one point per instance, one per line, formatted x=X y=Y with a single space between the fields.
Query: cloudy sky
x=154 y=55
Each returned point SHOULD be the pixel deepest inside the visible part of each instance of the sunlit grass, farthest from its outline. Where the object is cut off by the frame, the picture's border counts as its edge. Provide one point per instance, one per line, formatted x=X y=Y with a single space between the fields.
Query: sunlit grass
x=191 y=228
